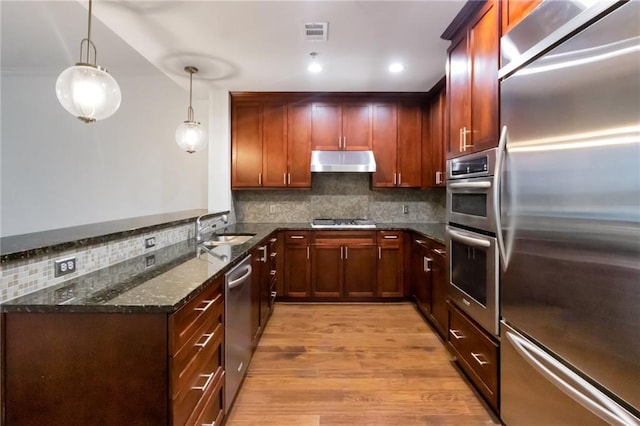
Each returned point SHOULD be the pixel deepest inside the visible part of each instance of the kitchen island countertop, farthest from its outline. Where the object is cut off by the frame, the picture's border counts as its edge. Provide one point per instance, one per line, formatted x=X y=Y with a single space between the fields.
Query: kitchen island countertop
x=166 y=279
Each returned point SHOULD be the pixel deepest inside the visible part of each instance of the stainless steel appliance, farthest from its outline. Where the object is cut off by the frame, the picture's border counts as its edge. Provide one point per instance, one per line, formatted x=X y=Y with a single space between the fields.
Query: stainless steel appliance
x=470 y=237
x=343 y=161
x=569 y=228
x=470 y=190
x=343 y=223
x=237 y=328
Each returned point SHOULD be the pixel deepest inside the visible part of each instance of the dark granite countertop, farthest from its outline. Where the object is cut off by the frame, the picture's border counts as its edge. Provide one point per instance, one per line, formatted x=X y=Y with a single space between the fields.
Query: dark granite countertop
x=178 y=273
x=38 y=243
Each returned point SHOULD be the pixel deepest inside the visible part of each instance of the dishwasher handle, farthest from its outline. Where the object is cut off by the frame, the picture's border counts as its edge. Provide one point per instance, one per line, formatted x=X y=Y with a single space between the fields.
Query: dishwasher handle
x=239 y=281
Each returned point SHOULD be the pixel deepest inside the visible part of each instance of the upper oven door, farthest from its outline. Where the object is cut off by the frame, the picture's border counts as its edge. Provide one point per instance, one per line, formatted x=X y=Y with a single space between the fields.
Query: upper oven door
x=473 y=275
x=470 y=203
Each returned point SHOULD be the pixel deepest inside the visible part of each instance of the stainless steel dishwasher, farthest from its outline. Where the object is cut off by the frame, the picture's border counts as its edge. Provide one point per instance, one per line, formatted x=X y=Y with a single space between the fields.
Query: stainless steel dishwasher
x=237 y=327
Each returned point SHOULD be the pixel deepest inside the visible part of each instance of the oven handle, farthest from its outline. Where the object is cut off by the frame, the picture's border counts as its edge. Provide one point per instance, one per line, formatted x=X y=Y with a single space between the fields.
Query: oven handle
x=470 y=185
x=497 y=182
x=471 y=241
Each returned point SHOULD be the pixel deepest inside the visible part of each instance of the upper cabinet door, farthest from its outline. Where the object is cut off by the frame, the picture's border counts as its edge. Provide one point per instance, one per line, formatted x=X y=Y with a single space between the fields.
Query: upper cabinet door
x=326 y=126
x=356 y=126
x=246 y=144
x=274 y=145
x=458 y=77
x=299 y=146
x=385 y=144
x=472 y=83
x=341 y=126
x=437 y=115
x=409 y=145
x=484 y=48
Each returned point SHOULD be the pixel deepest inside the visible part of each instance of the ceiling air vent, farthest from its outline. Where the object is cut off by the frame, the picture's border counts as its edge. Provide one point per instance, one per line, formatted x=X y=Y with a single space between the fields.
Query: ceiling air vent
x=315 y=31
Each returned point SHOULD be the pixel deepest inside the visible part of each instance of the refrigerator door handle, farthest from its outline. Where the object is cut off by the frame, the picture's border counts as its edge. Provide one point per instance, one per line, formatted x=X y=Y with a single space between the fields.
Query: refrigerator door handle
x=497 y=183
x=590 y=397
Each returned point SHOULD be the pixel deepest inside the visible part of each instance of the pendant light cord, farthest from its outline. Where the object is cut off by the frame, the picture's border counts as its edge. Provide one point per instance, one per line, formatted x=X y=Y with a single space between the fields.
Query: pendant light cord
x=190 y=110
x=89 y=35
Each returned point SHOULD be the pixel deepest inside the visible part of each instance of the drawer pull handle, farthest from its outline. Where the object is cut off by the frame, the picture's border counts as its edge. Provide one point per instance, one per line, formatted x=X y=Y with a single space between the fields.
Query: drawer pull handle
x=390 y=237
x=204 y=344
x=209 y=424
x=273 y=240
x=441 y=252
x=296 y=237
x=207 y=306
x=477 y=358
x=457 y=334
x=273 y=254
x=272 y=273
x=206 y=383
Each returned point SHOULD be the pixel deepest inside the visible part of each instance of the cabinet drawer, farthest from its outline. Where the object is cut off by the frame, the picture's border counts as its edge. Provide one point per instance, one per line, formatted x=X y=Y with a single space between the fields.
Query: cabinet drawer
x=184 y=323
x=477 y=353
x=210 y=411
x=197 y=352
x=345 y=237
x=191 y=384
x=390 y=238
x=297 y=237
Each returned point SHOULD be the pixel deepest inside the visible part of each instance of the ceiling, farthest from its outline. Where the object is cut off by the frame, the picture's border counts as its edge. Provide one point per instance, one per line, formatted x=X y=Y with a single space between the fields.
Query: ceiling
x=241 y=45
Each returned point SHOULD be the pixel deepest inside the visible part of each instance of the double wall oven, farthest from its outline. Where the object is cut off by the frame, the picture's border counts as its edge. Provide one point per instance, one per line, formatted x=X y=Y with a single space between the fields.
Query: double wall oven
x=471 y=237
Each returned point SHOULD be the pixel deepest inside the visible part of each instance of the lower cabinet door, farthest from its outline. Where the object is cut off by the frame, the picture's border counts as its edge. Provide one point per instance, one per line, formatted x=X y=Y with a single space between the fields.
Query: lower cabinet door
x=327 y=270
x=297 y=271
x=360 y=270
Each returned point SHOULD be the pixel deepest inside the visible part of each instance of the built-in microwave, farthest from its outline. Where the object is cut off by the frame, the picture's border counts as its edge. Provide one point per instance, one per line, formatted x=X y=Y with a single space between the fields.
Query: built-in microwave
x=471 y=190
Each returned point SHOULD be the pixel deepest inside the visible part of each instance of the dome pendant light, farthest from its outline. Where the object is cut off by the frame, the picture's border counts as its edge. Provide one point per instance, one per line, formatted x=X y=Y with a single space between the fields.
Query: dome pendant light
x=190 y=135
x=86 y=90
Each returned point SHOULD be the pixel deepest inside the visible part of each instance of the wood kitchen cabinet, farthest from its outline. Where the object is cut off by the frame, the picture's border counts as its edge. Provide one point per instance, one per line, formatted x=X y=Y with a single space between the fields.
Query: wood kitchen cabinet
x=429 y=267
x=297 y=264
x=472 y=79
x=144 y=368
x=434 y=129
x=271 y=144
x=341 y=125
x=344 y=264
x=246 y=145
x=397 y=144
x=421 y=264
x=390 y=264
x=475 y=352
x=514 y=11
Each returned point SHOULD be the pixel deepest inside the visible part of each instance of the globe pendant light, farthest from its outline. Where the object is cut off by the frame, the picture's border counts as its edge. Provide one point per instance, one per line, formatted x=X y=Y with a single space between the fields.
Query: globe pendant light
x=86 y=90
x=190 y=135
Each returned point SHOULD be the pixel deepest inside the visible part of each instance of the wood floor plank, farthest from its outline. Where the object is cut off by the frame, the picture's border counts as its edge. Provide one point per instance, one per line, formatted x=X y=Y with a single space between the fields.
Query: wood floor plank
x=353 y=364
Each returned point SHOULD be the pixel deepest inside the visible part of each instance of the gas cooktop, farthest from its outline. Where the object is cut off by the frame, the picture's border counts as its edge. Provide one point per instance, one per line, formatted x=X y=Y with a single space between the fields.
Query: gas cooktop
x=343 y=223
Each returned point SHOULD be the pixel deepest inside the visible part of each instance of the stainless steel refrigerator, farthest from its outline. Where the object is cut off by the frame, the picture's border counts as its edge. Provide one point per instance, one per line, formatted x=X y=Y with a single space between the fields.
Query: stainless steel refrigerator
x=569 y=236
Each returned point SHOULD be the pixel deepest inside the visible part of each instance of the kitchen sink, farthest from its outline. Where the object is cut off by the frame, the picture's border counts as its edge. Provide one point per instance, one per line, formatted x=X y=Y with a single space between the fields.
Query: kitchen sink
x=227 y=239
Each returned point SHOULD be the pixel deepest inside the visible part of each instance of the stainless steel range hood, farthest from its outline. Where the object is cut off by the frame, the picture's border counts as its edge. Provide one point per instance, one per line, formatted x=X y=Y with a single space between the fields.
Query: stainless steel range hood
x=342 y=161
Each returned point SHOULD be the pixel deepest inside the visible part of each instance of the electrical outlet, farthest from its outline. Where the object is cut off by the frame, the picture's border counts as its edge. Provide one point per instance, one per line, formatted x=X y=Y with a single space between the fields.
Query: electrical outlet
x=150 y=242
x=272 y=208
x=405 y=209
x=65 y=294
x=64 y=266
x=150 y=260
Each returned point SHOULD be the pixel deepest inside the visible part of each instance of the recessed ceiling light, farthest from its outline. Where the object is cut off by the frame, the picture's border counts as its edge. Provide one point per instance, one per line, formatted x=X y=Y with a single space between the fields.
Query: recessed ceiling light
x=396 y=67
x=314 y=67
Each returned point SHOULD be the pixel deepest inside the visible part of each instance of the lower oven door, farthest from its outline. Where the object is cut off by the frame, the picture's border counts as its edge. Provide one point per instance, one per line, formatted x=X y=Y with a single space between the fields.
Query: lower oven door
x=473 y=275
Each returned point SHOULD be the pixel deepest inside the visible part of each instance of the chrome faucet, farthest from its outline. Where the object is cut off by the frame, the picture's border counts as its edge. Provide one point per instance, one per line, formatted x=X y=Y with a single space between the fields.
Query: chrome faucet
x=200 y=229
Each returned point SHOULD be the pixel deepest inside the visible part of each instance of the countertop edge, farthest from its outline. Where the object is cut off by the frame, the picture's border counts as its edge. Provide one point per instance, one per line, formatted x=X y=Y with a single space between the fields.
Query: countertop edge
x=243 y=251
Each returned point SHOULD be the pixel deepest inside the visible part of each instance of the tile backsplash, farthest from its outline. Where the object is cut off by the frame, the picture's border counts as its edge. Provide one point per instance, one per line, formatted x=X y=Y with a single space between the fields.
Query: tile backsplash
x=341 y=195
x=22 y=276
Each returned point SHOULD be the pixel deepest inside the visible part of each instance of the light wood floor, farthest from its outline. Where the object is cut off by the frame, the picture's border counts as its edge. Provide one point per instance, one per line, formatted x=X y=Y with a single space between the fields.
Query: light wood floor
x=353 y=364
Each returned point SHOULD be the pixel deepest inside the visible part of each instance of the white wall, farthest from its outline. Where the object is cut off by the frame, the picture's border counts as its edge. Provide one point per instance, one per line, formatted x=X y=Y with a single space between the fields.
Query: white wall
x=219 y=150
x=57 y=171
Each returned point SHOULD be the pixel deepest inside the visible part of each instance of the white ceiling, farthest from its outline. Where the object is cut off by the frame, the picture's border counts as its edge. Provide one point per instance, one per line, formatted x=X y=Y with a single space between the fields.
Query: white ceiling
x=241 y=45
